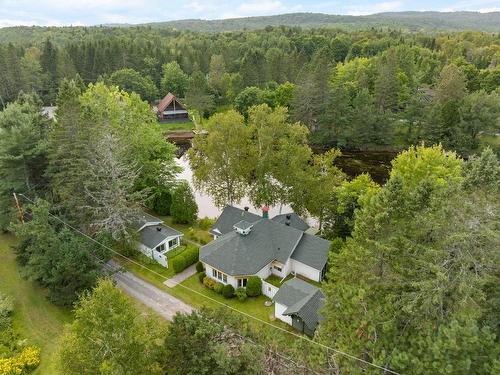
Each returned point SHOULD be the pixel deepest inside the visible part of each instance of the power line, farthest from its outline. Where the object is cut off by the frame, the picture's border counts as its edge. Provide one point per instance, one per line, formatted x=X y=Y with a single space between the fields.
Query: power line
x=386 y=370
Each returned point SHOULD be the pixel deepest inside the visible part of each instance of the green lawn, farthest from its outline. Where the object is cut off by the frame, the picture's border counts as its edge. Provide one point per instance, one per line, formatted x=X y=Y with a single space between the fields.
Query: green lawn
x=181 y=125
x=191 y=232
x=35 y=318
x=276 y=280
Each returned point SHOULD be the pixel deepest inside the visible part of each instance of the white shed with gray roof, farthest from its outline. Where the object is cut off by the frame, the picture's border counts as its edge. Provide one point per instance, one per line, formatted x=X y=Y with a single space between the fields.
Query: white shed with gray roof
x=297 y=303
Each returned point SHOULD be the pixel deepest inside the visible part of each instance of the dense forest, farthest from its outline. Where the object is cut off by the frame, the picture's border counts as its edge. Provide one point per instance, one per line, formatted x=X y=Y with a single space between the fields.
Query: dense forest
x=412 y=279
x=362 y=90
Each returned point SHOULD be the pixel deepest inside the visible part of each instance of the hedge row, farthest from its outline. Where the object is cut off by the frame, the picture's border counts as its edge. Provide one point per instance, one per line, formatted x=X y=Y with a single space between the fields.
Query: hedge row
x=185 y=259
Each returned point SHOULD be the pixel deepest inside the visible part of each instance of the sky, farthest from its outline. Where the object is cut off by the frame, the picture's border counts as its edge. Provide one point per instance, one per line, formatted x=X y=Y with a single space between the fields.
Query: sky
x=95 y=12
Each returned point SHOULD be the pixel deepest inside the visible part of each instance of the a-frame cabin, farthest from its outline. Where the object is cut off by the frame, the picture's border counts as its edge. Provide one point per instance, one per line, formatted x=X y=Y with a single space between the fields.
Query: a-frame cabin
x=171 y=109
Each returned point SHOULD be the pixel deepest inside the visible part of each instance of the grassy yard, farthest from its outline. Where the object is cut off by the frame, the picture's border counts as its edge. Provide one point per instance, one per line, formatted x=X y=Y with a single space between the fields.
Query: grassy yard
x=276 y=280
x=35 y=318
x=191 y=232
x=181 y=125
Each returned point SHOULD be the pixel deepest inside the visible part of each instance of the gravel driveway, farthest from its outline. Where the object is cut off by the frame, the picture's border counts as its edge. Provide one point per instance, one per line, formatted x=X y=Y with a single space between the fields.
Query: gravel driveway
x=158 y=300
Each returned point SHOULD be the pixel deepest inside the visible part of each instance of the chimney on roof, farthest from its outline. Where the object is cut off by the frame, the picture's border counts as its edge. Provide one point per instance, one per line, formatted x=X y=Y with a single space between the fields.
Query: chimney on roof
x=265 y=212
x=246 y=208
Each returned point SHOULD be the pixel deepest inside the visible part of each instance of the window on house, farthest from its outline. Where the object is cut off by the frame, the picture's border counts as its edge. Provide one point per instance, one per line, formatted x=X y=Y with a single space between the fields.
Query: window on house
x=160 y=248
x=277 y=268
x=173 y=242
x=242 y=283
x=219 y=276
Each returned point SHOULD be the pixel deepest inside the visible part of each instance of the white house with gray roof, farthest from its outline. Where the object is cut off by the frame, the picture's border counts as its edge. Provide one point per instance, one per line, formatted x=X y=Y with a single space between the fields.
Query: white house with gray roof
x=155 y=238
x=247 y=245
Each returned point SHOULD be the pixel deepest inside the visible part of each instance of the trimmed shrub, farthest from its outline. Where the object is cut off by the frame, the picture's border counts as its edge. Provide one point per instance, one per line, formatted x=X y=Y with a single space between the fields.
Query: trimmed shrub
x=199 y=267
x=179 y=263
x=218 y=288
x=191 y=254
x=254 y=286
x=228 y=291
x=201 y=276
x=209 y=283
x=241 y=294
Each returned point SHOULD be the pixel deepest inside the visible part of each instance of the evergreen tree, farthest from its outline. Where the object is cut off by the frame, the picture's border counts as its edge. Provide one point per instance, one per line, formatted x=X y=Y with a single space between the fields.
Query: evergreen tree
x=184 y=209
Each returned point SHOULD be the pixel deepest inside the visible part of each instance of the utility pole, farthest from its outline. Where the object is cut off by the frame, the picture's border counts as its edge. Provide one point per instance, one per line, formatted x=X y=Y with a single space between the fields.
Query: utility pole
x=19 y=208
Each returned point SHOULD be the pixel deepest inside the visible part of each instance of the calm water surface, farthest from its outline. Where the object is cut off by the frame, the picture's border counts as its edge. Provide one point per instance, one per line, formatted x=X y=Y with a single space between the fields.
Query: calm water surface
x=353 y=163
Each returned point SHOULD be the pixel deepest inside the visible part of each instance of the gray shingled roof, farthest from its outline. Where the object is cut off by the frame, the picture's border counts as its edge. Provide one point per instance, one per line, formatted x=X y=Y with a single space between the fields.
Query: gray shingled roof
x=301 y=299
x=243 y=224
x=237 y=254
x=144 y=218
x=312 y=251
x=295 y=221
x=152 y=237
x=230 y=216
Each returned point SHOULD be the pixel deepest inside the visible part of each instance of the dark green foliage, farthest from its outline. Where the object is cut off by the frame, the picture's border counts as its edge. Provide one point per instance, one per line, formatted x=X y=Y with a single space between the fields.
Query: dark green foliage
x=228 y=291
x=161 y=201
x=199 y=267
x=132 y=81
x=417 y=229
x=218 y=288
x=254 y=286
x=58 y=259
x=201 y=276
x=199 y=344
x=23 y=153
x=241 y=294
x=179 y=263
x=184 y=209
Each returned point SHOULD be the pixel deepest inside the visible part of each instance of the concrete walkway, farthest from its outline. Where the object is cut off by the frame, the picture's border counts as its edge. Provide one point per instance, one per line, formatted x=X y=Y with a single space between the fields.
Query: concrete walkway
x=180 y=277
x=160 y=301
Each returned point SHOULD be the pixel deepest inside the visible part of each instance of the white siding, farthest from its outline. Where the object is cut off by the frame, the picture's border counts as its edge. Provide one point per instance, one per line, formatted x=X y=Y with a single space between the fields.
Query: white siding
x=269 y=290
x=306 y=271
x=278 y=313
x=153 y=254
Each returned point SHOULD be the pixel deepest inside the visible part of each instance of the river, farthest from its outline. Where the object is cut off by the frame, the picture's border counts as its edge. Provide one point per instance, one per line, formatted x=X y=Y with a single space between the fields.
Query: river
x=353 y=163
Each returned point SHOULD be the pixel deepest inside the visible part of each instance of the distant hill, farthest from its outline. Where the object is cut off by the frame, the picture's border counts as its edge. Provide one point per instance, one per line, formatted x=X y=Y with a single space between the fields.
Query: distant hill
x=406 y=21
x=412 y=21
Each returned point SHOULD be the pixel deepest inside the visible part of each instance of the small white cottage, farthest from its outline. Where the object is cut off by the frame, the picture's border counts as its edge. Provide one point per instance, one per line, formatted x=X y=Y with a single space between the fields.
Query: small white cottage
x=156 y=239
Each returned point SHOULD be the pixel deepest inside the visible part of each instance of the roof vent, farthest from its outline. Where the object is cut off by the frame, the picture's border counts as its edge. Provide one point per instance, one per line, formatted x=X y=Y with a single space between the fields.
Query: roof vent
x=288 y=216
x=243 y=227
x=287 y=222
x=246 y=208
x=158 y=229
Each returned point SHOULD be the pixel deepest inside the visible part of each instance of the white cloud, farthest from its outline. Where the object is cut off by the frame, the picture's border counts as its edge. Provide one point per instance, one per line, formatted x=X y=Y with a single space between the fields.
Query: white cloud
x=261 y=8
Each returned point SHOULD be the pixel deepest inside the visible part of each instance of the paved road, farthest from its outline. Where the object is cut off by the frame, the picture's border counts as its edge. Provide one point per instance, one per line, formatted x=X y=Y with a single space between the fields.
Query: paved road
x=180 y=277
x=160 y=301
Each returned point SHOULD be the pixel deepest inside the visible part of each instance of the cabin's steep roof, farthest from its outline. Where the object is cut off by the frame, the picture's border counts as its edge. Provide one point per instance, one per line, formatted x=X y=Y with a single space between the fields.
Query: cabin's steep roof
x=165 y=102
